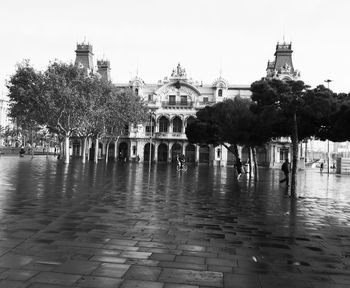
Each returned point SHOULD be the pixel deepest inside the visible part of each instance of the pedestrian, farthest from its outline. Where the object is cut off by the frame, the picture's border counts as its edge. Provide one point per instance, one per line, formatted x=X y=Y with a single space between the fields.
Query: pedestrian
x=21 y=152
x=285 y=169
x=321 y=167
x=239 y=168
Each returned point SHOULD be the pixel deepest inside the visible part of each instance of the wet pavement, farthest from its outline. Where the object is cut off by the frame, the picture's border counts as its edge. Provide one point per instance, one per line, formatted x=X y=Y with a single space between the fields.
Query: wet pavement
x=116 y=225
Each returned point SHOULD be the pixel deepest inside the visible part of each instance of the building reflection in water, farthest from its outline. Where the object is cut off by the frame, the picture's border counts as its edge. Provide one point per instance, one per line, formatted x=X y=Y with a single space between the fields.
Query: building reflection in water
x=202 y=194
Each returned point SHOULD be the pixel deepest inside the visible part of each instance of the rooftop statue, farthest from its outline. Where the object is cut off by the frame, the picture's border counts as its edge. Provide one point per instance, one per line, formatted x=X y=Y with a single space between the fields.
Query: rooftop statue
x=178 y=72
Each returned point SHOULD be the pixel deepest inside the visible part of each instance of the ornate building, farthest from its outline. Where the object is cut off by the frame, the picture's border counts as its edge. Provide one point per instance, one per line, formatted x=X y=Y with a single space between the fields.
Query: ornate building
x=281 y=68
x=173 y=103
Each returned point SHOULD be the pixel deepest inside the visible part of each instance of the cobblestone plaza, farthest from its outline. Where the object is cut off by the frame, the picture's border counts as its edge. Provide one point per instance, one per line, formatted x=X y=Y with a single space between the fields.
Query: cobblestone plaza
x=118 y=225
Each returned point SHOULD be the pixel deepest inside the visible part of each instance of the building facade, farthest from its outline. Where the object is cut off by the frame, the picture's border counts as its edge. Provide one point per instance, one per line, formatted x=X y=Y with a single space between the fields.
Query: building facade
x=173 y=103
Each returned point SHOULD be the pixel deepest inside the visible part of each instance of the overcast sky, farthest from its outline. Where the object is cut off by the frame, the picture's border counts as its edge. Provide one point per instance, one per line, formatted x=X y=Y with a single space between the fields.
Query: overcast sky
x=205 y=36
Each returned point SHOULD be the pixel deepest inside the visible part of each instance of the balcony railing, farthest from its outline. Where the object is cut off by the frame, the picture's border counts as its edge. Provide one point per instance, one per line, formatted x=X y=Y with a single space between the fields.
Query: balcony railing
x=169 y=135
x=177 y=104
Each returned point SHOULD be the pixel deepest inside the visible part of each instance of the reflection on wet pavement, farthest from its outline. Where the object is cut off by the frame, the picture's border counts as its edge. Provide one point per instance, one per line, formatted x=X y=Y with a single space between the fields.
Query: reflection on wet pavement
x=116 y=225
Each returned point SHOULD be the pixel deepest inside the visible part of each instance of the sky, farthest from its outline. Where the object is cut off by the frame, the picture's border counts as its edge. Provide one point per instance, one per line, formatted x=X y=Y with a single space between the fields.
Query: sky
x=150 y=37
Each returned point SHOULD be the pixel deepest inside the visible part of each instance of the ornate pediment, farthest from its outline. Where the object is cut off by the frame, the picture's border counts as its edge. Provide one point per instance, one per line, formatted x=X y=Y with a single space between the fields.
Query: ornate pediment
x=137 y=82
x=220 y=83
x=178 y=88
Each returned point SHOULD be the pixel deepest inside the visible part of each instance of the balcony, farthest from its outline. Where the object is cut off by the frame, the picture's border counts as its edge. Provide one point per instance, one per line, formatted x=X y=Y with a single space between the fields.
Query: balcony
x=170 y=135
x=177 y=104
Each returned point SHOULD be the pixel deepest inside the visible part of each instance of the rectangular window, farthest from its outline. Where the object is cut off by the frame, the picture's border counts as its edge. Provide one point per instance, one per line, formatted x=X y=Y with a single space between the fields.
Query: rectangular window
x=218 y=153
x=183 y=100
x=150 y=97
x=205 y=99
x=172 y=99
x=134 y=150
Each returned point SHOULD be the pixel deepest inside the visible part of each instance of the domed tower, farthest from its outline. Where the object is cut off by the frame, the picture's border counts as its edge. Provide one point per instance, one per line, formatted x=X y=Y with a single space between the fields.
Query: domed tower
x=282 y=67
x=220 y=85
x=137 y=85
x=84 y=56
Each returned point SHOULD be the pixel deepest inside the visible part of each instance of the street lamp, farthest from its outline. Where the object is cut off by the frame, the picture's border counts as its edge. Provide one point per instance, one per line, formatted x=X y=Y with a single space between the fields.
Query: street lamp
x=150 y=144
x=328 y=81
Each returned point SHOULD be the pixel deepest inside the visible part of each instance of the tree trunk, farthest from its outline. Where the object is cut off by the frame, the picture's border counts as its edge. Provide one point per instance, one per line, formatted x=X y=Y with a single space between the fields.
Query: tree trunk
x=96 y=150
x=116 y=149
x=66 y=148
x=32 y=143
x=295 y=147
x=107 y=148
x=234 y=151
x=255 y=163
x=88 y=148
x=305 y=151
x=84 y=149
x=250 y=162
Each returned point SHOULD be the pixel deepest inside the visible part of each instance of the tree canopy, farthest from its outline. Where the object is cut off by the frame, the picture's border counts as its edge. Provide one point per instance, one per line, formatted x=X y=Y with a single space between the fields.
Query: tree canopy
x=71 y=102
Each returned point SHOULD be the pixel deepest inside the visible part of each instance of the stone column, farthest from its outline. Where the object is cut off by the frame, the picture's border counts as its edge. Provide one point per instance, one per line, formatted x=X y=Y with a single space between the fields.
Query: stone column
x=169 y=151
x=115 y=150
x=103 y=148
x=183 y=126
x=197 y=154
x=156 y=151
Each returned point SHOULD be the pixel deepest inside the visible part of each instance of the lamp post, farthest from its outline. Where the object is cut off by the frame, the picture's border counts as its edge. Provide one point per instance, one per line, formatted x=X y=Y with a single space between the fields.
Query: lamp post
x=150 y=145
x=328 y=81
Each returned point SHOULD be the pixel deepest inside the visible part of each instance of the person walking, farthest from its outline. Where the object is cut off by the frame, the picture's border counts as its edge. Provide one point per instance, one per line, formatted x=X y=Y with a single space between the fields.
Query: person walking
x=239 y=168
x=285 y=169
x=321 y=167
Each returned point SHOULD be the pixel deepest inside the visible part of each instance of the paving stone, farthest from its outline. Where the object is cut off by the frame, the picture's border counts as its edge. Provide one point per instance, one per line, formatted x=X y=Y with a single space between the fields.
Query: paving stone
x=111 y=270
x=109 y=259
x=78 y=267
x=194 y=248
x=143 y=273
x=180 y=265
x=11 y=260
x=181 y=276
x=172 y=285
x=242 y=281
x=136 y=255
x=190 y=259
x=162 y=256
x=55 y=278
x=12 y=284
x=19 y=275
x=219 y=268
x=221 y=262
x=45 y=285
x=141 y=284
x=94 y=281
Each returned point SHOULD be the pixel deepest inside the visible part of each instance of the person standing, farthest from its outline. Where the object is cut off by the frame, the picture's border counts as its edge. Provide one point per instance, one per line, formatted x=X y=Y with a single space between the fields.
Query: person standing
x=239 y=168
x=285 y=169
x=321 y=167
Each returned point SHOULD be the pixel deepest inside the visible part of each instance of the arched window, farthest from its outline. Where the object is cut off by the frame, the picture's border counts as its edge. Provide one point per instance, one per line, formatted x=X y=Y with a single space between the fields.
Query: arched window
x=137 y=91
x=220 y=92
x=177 y=125
x=163 y=124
